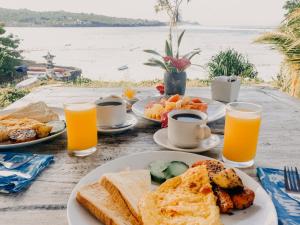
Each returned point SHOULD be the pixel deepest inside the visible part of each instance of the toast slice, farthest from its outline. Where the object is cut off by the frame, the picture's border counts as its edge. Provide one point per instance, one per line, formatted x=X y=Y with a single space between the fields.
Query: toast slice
x=100 y=203
x=183 y=200
x=38 y=111
x=128 y=186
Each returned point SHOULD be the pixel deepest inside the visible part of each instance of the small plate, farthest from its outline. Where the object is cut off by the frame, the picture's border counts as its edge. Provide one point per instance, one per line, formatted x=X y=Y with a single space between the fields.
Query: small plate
x=161 y=138
x=130 y=119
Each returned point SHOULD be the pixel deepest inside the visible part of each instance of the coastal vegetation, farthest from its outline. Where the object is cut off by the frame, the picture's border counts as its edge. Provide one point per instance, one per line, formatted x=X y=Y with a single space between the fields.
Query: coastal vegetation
x=231 y=63
x=9 y=95
x=286 y=39
x=9 y=56
x=28 y=18
x=291 y=5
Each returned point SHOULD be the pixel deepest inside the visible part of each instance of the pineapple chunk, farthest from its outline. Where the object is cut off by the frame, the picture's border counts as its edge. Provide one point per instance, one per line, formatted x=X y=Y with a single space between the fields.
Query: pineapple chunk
x=170 y=106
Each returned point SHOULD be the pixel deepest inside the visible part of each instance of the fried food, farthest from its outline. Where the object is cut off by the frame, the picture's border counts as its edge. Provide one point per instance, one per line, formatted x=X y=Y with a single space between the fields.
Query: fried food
x=224 y=200
x=19 y=136
x=228 y=186
x=183 y=200
x=228 y=179
x=22 y=130
x=3 y=133
x=213 y=166
x=244 y=199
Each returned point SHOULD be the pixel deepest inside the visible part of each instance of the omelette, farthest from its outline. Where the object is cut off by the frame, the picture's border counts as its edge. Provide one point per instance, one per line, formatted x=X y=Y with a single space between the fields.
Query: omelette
x=187 y=199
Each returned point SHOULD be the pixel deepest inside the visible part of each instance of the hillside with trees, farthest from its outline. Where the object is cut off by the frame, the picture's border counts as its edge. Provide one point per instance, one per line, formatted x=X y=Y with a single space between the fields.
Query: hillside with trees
x=28 y=18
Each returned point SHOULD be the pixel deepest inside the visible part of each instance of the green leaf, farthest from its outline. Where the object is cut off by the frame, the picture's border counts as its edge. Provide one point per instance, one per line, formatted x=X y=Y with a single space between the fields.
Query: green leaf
x=152 y=52
x=168 y=49
x=157 y=63
x=193 y=54
x=180 y=38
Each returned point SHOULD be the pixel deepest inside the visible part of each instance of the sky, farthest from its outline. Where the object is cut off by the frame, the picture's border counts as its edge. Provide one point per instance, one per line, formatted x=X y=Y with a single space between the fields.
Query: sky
x=206 y=12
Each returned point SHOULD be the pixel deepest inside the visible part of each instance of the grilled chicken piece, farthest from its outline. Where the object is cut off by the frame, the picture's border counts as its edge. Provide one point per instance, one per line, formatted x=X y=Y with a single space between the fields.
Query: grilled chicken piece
x=223 y=200
x=244 y=199
x=22 y=135
x=228 y=179
x=213 y=166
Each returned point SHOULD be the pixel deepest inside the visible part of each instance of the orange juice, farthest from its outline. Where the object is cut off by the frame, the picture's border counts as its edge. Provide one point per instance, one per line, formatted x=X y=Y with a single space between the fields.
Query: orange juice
x=81 y=126
x=241 y=136
x=129 y=93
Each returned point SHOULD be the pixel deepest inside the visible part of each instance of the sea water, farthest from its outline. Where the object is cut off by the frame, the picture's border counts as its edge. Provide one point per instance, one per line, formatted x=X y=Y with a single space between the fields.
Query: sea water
x=99 y=51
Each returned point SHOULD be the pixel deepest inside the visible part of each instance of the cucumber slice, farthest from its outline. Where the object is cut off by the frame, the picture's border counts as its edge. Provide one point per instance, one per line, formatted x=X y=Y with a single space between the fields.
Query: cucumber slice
x=157 y=169
x=175 y=169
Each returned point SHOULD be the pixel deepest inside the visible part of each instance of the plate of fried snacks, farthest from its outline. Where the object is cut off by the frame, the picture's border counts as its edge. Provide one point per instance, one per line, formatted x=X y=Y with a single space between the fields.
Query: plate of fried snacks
x=31 y=124
x=169 y=188
x=156 y=108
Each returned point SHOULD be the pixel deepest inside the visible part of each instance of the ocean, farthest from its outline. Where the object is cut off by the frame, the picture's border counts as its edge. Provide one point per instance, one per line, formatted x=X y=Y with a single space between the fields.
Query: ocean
x=100 y=51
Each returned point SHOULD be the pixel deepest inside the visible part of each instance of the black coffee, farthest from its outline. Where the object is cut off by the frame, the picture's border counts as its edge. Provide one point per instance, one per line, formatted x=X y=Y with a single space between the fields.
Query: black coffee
x=109 y=103
x=187 y=117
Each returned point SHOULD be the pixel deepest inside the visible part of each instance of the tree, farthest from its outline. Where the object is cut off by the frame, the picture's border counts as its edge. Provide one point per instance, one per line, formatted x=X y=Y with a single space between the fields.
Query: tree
x=286 y=39
x=291 y=5
x=9 y=55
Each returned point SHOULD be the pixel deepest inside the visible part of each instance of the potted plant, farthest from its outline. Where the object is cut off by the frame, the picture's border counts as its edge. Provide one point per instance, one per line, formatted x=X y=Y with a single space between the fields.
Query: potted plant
x=225 y=69
x=171 y=61
x=174 y=66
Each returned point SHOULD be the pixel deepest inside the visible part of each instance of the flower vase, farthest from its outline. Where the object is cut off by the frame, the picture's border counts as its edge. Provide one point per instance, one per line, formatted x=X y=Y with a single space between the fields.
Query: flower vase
x=175 y=83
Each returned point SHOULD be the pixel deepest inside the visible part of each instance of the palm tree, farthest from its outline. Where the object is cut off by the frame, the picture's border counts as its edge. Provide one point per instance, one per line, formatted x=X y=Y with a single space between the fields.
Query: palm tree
x=286 y=39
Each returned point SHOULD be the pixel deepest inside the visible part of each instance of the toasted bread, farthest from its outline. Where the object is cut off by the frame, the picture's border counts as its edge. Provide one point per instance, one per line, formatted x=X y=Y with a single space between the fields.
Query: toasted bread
x=100 y=203
x=183 y=200
x=38 y=111
x=128 y=186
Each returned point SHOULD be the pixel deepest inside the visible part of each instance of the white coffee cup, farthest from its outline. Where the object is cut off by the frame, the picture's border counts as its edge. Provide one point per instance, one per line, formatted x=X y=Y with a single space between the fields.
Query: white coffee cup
x=187 y=132
x=111 y=111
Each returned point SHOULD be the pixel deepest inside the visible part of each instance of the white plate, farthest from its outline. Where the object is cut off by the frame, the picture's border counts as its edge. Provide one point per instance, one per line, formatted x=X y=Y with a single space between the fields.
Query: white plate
x=131 y=119
x=60 y=113
x=215 y=111
x=262 y=212
x=161 y=138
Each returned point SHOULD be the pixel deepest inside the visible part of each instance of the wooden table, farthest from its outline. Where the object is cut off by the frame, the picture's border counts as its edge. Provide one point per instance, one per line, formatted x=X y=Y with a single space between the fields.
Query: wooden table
x=45 y=201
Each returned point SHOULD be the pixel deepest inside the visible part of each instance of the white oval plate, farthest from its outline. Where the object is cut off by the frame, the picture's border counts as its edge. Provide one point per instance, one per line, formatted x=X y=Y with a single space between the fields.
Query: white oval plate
x=129 y=119
x=161 y=138
x=61 y=115
x=262 y=212
x=215 y=111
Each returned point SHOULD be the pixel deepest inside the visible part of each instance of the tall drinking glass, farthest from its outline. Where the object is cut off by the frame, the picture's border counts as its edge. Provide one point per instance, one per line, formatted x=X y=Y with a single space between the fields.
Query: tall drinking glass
x=81 y=128
x=242 y=125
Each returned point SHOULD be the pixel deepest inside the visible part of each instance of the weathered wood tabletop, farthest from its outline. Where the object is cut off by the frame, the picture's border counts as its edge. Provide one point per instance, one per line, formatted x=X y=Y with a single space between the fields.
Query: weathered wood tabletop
x=45 y=201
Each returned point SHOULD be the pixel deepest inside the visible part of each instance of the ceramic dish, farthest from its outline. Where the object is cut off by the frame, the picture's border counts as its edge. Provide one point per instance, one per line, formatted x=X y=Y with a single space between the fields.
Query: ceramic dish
x=61 y=115
x=161 y=138
x=262 y=212
x=216 y=110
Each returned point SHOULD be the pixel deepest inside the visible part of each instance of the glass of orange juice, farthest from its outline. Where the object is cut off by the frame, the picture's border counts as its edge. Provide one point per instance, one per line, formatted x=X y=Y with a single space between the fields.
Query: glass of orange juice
x=242 y=125
x=81 y=128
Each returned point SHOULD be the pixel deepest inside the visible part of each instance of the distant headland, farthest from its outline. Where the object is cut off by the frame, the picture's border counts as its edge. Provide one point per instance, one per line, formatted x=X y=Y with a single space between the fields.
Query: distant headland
x=28 y=18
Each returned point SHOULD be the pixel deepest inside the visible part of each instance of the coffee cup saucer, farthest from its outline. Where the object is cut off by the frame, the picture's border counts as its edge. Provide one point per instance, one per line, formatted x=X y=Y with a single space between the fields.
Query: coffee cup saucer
x=161 y=138
x=130 y=122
